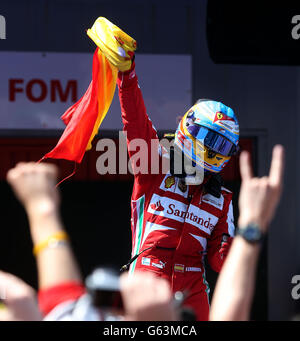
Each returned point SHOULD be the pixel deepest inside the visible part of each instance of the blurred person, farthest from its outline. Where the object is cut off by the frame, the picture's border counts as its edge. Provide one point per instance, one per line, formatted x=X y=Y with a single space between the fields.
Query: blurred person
x=62 y=294
x=58 y=274
x=178 y=217
x=258 y=200
x=19 y=301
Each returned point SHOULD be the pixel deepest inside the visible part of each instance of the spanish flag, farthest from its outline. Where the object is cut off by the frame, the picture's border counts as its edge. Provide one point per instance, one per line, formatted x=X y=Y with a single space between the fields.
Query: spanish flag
x=83 y=119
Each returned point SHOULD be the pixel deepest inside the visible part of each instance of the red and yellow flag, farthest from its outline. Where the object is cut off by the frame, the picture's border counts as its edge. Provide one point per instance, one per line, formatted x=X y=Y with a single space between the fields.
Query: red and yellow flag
x=84 y=118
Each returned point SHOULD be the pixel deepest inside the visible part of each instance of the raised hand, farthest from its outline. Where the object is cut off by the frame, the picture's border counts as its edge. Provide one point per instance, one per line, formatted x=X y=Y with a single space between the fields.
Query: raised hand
x=259 y=197
x=117 y=46
x=34 y=184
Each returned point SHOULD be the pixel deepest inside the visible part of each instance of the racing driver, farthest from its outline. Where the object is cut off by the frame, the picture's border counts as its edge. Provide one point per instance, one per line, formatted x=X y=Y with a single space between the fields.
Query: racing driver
x=177 y=220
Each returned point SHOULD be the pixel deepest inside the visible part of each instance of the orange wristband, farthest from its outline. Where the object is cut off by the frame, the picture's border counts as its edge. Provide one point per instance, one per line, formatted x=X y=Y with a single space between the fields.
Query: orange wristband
x=51 y=241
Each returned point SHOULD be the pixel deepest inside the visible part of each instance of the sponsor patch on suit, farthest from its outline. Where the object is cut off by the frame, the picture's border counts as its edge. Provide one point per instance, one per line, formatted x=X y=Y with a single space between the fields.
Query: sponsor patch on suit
x=211 y=200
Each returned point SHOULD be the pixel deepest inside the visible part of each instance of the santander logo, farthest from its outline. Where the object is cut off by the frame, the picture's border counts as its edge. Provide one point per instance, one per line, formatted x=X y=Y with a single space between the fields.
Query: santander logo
x=190 y=216
x=157 y=206
x=176 y=210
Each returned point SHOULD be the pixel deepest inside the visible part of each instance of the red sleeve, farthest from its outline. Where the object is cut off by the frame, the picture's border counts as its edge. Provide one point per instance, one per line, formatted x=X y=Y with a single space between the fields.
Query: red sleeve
x=134 y=116
x=51 y=297
x=136 y=122
x=219 y=243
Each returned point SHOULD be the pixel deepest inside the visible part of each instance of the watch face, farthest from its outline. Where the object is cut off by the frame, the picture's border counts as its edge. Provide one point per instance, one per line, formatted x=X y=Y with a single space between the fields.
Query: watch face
x=252 y=234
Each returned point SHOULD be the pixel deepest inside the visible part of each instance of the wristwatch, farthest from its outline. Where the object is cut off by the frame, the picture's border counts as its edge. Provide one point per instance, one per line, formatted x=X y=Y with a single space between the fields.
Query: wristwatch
x=251 y=233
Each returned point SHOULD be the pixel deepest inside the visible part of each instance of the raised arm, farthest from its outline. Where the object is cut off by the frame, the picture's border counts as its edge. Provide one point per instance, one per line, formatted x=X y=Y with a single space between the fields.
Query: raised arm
x=134 y=115
x=257 y=202
x=141 y=134
x=34 y=185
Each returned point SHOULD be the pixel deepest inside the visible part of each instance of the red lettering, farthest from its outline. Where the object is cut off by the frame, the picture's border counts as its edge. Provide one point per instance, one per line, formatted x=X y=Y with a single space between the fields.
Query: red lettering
x=171 y=206
x=37 y=90
x=43 y=92
x=12 y=89
x=71 y=87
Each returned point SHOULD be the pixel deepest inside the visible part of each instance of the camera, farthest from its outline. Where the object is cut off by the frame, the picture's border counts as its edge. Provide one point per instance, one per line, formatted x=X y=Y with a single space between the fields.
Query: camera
x=103 y=286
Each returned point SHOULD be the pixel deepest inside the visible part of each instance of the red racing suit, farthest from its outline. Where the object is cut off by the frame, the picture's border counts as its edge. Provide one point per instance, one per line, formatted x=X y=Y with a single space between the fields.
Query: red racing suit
x=176 y=224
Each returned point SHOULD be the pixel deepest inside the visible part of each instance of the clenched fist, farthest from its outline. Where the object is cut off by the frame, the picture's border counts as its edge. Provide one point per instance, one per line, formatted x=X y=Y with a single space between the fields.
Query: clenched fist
x=34 y=184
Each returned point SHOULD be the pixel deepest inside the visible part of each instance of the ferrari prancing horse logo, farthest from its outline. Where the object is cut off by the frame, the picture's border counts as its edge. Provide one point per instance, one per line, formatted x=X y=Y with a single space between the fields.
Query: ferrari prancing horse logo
x=222 y=117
